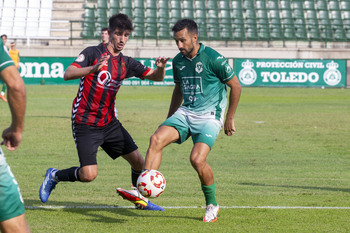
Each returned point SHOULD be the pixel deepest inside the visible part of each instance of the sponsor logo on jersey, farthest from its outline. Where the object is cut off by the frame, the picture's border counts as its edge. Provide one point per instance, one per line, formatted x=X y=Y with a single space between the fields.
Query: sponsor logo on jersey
x=192 y=85
x=105 y=80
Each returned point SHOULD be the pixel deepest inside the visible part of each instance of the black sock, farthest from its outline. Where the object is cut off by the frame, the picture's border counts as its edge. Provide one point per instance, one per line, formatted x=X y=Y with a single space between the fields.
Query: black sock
x=134 y=176
x=69 y=174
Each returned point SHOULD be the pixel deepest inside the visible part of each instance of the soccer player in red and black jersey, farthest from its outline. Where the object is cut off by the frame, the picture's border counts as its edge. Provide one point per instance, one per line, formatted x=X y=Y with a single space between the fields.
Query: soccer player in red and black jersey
x=101 y=70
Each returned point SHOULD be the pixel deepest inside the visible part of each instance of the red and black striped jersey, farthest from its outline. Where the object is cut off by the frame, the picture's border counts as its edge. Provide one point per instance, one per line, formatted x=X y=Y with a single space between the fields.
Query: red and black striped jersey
x=94 y=103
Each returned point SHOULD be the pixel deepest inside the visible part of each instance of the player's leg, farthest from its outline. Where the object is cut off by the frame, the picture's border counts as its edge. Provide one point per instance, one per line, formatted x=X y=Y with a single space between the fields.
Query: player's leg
x=53 y=176
x=198 y=160
x=173 y=129
x=118 y=142
x=163 y=136
x=136 y=162
x=205 y=173
x=204 y=132
x=87 y=140
x=87 y=173
x=16 y=224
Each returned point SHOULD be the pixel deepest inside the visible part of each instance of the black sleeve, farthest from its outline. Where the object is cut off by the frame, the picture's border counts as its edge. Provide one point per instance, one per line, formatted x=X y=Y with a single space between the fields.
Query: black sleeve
x=136 y=68
x=85 y=58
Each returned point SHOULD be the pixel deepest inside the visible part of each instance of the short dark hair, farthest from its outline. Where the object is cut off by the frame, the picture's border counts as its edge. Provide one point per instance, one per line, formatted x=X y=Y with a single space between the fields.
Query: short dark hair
x=186 y=23
x=3 y=35
x=104 y=29
x=120 y=21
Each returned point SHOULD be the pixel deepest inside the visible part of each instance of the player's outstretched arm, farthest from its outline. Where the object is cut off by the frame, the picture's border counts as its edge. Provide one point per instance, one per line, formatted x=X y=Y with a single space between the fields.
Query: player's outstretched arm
x=12 y=136
x=73 y=72
x=234 y=96
x=159 y=73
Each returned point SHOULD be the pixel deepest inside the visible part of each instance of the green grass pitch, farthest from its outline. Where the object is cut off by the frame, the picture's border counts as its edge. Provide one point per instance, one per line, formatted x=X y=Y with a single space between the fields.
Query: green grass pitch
x=288 y=161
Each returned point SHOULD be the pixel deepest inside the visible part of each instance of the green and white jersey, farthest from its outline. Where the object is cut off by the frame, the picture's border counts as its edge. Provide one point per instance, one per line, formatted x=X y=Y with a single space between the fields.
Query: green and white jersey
x=5 y=59
x=203 y=81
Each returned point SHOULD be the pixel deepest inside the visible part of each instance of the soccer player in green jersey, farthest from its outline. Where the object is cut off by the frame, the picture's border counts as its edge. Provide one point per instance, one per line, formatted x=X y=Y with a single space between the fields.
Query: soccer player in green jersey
x=12 y=216
x=201 y=76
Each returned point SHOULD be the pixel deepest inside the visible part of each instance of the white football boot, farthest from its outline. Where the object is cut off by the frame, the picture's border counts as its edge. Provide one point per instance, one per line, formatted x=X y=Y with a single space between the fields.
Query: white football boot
x=211 y=213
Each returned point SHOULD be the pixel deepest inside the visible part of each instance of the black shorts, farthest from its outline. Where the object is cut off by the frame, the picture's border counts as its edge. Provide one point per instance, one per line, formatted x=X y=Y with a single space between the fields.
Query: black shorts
x=113 y=138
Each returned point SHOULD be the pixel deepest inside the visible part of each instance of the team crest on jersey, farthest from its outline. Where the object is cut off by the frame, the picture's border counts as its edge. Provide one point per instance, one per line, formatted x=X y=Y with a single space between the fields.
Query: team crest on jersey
x=199 y=67
x=123 y=66
x=80 y=58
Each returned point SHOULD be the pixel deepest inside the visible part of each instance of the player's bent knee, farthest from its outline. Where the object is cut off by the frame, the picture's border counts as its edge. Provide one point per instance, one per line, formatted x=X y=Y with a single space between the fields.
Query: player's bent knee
x=197 y=162
x=88 y=177
x=156 y=141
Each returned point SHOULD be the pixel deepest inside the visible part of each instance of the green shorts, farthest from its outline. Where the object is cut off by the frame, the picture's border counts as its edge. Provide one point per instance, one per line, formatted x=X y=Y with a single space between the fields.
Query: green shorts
x=204 y=128
x=11 y=202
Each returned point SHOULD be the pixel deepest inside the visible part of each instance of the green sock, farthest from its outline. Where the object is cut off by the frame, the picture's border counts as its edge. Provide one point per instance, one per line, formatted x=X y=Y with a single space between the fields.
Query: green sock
x=209 y=194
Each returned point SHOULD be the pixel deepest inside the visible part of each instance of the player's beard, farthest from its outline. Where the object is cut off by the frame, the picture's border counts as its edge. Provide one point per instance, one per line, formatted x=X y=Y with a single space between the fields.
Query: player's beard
x=187 y=52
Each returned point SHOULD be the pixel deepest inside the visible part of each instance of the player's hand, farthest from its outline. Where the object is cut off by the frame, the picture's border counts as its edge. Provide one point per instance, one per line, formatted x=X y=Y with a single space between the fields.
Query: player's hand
x=229 y=127
x=11 y=138
x=101 y=62
x=161 y=62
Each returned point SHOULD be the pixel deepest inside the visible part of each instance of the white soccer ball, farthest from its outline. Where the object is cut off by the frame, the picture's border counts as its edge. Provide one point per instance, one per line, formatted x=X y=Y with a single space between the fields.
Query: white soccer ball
x=151 y=183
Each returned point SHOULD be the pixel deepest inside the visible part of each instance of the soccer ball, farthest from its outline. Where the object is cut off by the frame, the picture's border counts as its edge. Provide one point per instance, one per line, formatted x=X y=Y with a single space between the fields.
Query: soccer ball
x=151 y=183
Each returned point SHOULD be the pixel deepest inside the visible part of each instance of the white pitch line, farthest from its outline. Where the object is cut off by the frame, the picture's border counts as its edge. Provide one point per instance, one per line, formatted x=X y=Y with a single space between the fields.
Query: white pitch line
x=192 y=207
